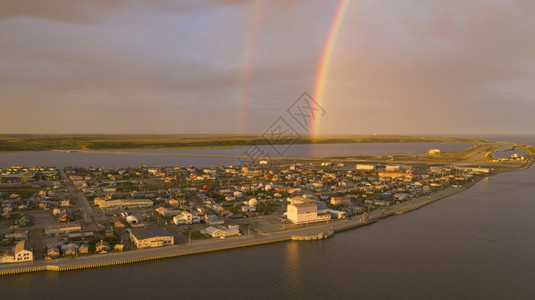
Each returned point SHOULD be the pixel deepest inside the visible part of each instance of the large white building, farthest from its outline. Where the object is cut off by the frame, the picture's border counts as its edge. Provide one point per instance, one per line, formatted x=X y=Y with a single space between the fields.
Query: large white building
x=303 y=210
x=365 y=167
x=63 y=229
x=123 y=203
x=151 y=237
x=22 y=252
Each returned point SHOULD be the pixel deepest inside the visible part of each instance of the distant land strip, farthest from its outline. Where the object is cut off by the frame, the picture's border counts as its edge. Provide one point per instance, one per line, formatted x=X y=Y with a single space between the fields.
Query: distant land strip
x=45 y=142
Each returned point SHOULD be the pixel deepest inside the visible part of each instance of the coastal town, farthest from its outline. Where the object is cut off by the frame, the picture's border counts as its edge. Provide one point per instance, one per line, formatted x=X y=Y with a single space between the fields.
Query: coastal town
x=49 y=213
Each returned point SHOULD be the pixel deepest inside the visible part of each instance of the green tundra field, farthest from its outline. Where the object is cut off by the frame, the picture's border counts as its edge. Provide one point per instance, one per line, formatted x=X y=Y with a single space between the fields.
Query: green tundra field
x=119 y=141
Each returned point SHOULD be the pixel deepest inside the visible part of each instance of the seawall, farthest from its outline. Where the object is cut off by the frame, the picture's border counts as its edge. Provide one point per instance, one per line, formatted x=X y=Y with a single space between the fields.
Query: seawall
x=115 y=261
x=96 y=261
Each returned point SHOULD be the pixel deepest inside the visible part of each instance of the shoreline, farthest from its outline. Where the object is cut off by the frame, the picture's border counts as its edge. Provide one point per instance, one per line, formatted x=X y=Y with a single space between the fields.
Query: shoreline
x=316 y=231
x=66 y=142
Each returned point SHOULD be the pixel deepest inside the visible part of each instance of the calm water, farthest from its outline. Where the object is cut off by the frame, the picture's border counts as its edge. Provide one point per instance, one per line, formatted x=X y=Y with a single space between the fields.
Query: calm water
x=521 y=139
x=510 y=153
x=479 y=244
x=61 y=159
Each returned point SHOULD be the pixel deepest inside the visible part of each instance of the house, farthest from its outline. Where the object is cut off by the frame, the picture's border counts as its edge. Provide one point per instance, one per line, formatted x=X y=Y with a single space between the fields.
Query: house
x=401 y=196
x=340 y=201
x=213 y=220
x=186 y=218
x=118 y=224
x=393 y=168
x=434 y=151
x=24 y=221
x=52 y=252
x=165 y=212
x=151 y=237
x=7 y=257
x=337 y=214
x=227 y=213
x=248 y=208
x=222 y=232
x=102 y=246
x=118 y=247
x=137 y=194
x=65 y=216
x=480 y=170
x=173 y=202
x=84 y=249
x=345 y=183
x=69 y=249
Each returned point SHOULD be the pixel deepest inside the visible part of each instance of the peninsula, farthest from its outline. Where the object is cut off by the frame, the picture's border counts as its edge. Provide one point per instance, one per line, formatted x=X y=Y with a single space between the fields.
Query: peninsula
x=75 y=218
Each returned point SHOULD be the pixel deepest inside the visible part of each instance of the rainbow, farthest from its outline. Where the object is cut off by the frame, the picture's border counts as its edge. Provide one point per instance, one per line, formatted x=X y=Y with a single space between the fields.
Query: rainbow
x=246 y=75
x=321 y=75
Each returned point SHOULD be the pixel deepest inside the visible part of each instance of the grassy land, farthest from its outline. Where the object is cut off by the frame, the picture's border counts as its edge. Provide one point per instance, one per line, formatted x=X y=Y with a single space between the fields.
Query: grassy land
x=101 y=142
x=195 y=235
x=25 y=191
x=480 y=153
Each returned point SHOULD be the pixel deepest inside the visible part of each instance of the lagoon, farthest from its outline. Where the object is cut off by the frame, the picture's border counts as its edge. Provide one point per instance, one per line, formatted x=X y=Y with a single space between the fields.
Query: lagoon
x=109 y=160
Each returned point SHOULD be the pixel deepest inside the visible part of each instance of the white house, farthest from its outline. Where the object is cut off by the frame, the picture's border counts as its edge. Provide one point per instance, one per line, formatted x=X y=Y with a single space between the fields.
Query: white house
x=222 y=231
x=434 y=151
x=186 y=218
x=365 y=167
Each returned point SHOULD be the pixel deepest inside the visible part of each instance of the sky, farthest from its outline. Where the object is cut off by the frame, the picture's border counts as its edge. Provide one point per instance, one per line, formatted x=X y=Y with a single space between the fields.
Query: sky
x=412 y=67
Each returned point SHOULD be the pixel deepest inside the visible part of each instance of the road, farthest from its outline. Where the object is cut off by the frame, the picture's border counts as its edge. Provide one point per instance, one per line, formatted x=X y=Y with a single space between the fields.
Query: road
x=80 y=200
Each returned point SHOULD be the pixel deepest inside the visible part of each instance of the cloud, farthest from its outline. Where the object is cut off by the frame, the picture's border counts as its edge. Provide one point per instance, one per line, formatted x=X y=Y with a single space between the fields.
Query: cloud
x=69 y=11
x=198 y=66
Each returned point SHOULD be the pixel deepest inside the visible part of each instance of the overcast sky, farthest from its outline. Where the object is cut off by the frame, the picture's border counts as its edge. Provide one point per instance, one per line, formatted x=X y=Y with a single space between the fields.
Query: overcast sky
x=423 y=67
